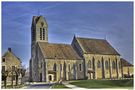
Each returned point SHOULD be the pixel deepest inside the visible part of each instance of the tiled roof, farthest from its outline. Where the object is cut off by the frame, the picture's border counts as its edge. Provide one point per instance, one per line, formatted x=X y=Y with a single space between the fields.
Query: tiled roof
x=58 y=51
x=125 y=63
x=10 y=52
x=96 y=46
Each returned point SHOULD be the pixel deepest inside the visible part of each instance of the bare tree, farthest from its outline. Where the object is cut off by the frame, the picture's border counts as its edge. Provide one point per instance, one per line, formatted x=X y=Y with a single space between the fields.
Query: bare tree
x=23 y=74
x=17 y=73
x=12 y=78
x=14 y=73
x=4 y=77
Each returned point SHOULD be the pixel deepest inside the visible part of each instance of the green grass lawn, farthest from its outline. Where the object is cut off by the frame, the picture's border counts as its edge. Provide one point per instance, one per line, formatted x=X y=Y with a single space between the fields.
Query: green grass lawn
x=103 y=83
x=59 y=86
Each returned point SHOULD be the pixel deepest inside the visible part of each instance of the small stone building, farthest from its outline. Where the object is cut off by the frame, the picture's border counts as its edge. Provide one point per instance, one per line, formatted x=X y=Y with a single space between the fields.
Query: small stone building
x=127 y=68
x=10 y=62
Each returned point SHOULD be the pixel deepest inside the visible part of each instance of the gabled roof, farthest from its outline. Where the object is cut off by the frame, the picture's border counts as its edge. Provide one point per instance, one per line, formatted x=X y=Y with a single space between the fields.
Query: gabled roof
x=35 y=19
x=58 y=51
x=7 y=52
x=125 y=62
x=96 y=46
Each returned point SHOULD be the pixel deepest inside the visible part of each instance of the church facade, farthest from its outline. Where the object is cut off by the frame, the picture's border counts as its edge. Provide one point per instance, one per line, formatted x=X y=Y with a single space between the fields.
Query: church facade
x=84 y=58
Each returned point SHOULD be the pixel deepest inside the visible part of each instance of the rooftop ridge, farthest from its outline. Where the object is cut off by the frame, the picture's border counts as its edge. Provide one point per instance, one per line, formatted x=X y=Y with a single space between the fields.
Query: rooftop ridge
x=90 y=38
x=55 y=43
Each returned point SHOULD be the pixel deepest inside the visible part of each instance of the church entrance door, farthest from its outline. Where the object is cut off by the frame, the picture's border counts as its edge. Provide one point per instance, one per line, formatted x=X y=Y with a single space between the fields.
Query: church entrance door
x=50 y=78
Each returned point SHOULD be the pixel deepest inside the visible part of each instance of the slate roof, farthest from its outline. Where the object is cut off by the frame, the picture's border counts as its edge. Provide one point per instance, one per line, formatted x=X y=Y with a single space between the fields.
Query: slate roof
x=59 y=51
x=96 y=46
x=125 y=63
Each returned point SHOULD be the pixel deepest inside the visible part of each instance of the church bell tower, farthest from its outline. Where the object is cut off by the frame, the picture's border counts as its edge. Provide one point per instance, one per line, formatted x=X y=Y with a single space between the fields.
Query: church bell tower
x=39 y=33
x=39 y=30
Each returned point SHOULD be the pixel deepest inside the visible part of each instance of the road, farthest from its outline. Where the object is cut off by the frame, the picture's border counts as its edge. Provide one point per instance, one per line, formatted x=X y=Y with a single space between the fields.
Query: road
x=39 y=86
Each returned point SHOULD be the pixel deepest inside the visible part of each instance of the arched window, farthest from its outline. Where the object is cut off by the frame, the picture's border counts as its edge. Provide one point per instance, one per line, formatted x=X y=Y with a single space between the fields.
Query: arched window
x=113 y=65
x=106 y=64
x=89 y=64
x=80 y=67
x=43 y=34
x=60 y=67
x=99 y=64
x=69 y=67
x=41 y=64
x=40 y=33
x=55 y=67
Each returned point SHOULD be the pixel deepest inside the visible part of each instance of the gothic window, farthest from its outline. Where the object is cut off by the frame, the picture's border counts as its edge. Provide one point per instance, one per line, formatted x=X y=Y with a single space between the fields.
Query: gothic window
x=42 y=24
x=55 y=67
x=69 y=67
x=113 y=65
x=106 y=64
x=40 y=33
x=99 y=64
x=60 y=67
x=43 y=34
x=128 y=71
x=89 y=64
x=41 y=64
x=80 y=67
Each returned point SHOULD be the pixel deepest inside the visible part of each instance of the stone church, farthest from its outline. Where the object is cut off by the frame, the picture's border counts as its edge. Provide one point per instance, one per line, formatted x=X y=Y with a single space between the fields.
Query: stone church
x=84 y=58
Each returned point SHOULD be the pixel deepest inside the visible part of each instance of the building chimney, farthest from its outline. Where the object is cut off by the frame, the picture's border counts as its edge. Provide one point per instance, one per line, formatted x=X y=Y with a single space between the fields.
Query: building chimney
x=9 y=49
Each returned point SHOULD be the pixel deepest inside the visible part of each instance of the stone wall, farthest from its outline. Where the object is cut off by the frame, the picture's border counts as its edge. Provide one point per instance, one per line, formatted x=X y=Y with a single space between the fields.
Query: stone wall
x=104 y=70
x=128 y=70
x=66 y=69
x=37 y=58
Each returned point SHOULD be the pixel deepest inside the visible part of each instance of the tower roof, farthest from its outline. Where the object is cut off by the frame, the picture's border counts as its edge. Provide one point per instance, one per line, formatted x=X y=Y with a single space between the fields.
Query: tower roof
x=35 y=19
